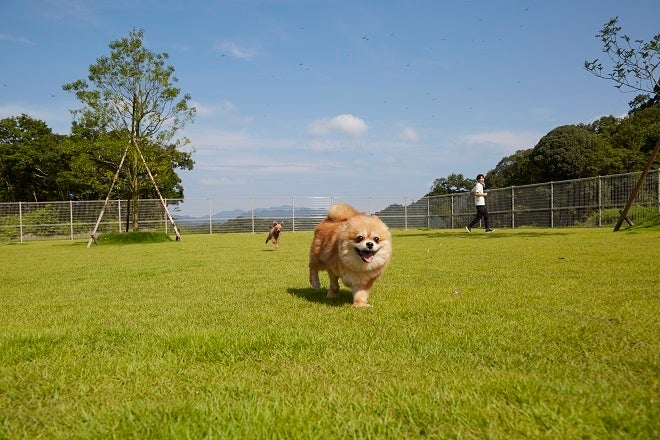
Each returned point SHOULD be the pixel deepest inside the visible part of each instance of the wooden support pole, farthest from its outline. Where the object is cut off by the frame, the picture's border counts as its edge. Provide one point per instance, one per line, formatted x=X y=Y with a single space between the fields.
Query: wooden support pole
x=107 y=198
x=642 y=177
x=162 y=201
x=114 y=180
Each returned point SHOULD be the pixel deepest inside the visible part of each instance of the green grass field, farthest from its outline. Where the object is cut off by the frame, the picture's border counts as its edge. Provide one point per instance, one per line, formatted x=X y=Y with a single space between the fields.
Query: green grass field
x=527 y=333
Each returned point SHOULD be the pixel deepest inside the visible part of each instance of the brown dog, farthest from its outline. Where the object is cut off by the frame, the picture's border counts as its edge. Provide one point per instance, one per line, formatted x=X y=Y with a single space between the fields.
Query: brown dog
x=352 y=246
x=274 y=234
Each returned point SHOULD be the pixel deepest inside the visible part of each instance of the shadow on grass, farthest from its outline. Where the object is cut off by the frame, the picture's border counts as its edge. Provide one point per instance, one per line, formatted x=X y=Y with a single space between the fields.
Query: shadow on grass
x=319 y=296
x=74 y=244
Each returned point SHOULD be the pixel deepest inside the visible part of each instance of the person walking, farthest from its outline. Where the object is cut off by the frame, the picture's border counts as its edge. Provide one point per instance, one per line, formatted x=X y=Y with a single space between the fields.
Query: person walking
x=480 y=203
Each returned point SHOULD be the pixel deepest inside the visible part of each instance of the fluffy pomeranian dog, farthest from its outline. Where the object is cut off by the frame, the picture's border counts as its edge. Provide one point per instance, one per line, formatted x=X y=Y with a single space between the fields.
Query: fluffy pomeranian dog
x=274 y=234
x=352 y=246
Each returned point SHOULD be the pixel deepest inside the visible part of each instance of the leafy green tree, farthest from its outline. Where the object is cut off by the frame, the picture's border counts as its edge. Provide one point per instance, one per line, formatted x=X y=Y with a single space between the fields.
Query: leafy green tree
x=133 y=96
x=633 y=64
x=95 y=157
x=513 y=170
x=30 y=160
x=634 y=139
x=569 y=152
x=454 y=183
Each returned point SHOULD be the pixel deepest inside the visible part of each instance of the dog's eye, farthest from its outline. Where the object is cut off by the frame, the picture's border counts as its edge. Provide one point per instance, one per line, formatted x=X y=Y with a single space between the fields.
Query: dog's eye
x=376 y=239
x=359 y=238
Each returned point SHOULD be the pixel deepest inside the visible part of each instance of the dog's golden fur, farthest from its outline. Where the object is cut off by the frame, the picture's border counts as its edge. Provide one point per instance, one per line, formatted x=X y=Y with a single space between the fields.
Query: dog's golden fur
x=352 y=246
x=274 y=234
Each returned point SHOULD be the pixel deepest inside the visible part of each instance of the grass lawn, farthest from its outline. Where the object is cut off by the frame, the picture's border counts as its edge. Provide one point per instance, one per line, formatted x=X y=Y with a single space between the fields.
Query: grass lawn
x=526 y=333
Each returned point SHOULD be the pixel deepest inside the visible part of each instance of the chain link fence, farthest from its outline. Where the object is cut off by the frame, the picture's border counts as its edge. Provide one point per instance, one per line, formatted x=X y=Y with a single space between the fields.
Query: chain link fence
x=590 y=202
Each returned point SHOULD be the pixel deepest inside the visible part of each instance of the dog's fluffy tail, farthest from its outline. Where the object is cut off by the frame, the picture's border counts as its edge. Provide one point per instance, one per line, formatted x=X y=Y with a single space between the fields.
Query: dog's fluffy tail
x=340 y=212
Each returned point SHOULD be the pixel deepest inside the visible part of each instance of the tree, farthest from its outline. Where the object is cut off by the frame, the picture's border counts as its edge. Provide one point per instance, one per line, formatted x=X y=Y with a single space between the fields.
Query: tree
x=454 y=183
x=634 y=64
x=630 y=139
x=569 y=152
x=634 y=139
x=512 y=170
x=134 y=98
x=95 y=157
x=30 y=160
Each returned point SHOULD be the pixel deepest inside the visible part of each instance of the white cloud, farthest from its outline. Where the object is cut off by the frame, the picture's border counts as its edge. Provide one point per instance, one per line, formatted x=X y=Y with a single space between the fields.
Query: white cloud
x=203 y=110
x=232 y=49
x=322 y=146
x=336 y=145
x=242 y=163
x=595 y=118
x=57 y=118
x=409 y=134
x=510 y=140
x=22 y=40
x=210 y=141
x=214 y=181
x=346 y=123
x=227 y=110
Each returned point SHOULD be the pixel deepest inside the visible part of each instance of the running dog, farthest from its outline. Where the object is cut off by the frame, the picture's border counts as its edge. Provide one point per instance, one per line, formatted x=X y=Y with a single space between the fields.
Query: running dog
x=274 y=234
x=352 y=246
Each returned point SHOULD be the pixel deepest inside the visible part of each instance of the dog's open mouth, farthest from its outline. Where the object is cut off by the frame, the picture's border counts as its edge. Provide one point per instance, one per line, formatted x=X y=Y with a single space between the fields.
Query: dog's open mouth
x=366 y=255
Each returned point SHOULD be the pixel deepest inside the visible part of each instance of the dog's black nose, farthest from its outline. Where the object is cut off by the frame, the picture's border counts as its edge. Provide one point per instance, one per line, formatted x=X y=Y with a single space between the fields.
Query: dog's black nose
x=370 y=245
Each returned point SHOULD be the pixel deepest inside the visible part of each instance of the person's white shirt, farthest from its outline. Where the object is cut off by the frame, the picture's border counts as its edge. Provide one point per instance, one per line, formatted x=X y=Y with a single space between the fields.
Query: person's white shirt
x=478 y=191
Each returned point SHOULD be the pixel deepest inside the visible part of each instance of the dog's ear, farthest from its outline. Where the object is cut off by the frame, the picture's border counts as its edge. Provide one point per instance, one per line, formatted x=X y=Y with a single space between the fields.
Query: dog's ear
x=274 y=224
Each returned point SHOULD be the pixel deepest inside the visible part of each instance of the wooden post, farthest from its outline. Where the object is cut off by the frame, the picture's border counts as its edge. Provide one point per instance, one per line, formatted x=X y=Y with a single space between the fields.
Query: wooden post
x=162 y=201
x=107 y=198
x=114 y=180
x=642 y=177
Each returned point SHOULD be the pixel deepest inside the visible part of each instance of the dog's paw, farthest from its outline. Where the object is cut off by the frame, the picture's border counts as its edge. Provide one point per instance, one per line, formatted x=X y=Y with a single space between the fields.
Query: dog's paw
x=362 y=305
x=314 y=281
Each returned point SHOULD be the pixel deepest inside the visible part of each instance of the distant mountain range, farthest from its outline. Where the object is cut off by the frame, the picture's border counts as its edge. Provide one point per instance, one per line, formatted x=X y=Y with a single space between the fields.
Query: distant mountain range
x=274 y=213
x=279 y=213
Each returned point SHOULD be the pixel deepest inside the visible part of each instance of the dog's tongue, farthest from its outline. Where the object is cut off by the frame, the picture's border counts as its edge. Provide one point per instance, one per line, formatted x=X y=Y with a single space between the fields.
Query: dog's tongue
x=367 y=256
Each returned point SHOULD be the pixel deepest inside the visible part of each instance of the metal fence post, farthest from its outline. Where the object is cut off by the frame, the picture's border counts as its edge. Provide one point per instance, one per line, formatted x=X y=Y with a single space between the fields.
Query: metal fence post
x=71 y=217
x=451 y=211
x=513 y=207
x=405 y=212
x=165 y=216
x=552 y=204
x=428 y=212
x=600 y=201
x=119 y=215
x=210 y=217
x=20 y=220
x=252 y=208
x=658 y=180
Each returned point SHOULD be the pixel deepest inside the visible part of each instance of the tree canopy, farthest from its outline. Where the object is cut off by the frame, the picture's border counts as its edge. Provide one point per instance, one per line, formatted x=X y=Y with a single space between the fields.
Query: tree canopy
x=31 y=159
x=454 y=183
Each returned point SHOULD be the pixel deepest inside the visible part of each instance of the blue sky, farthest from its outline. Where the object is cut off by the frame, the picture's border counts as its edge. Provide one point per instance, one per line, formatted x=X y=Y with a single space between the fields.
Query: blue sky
x=335 y=98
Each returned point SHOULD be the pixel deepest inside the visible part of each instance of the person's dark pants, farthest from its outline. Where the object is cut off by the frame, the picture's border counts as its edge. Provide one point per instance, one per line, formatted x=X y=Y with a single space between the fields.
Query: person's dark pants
x=482 y=212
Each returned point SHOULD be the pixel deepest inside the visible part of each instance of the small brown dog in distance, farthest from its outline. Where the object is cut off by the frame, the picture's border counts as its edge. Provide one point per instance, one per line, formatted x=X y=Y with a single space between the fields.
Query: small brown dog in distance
x=274 y=234
x=352 y=246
